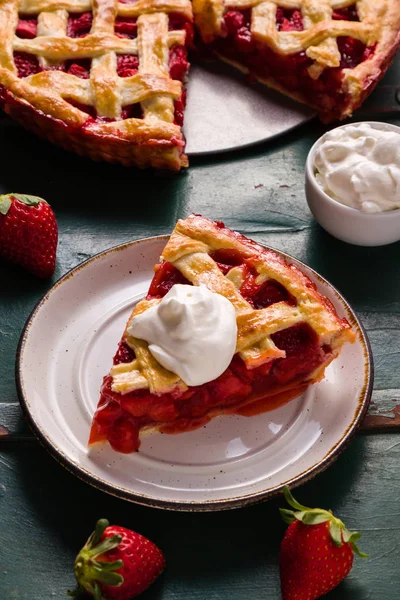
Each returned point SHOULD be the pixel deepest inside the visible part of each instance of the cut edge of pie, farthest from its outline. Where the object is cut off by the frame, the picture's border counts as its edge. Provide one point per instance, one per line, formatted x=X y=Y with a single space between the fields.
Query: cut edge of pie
x=329 y=57
x=288 y=333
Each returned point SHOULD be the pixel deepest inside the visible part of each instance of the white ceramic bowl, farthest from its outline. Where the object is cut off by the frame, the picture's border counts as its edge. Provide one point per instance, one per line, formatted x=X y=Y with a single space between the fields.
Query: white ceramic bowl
x=349 y=224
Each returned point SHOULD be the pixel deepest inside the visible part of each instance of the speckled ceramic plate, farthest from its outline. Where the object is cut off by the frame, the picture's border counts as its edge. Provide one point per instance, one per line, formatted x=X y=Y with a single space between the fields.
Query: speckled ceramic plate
x=67 y=347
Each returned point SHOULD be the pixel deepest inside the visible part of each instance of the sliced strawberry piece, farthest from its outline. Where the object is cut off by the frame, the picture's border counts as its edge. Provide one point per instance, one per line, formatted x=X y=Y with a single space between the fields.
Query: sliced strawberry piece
x=127 y=65
x=27 y=28
x=123 y=436
x=127 y=28
x=124 y=354
x=351 y=52
x=346 y=14
x=138 y=404
x=166 y=275
x=178 y=65
x=244 y=41
x=228 y=388
x=270 y=292
x=27 y=64
x=234 y=20
x=163 y=412
x=108 y=411
x=79 y=25
x=78 y=71
x=179 y=109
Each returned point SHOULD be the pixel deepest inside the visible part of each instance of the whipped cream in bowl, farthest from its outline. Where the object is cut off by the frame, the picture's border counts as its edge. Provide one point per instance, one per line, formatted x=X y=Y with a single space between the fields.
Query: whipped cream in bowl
x=353 y=183
x=191 y=332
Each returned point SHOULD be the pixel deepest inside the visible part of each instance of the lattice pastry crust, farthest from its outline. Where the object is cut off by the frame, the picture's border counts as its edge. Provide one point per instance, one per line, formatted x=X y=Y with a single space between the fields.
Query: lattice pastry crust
x=40 y=101
x=188 y=250
x=378 y=28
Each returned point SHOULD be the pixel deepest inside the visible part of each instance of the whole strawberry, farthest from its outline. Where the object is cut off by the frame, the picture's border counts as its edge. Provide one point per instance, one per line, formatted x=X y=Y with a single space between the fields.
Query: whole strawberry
x=317 y=551
x=117 y=563
x=28 y=233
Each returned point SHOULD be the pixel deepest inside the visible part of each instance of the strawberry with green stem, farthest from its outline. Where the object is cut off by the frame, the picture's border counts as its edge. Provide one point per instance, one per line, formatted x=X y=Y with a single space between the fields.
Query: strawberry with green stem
x=116 y=563
x=317 y=551
x=28 y=233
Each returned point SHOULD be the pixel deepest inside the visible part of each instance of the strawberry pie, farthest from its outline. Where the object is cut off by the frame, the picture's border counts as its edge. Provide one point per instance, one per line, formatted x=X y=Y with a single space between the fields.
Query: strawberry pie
x=102 y=78
x=106 y=78
x=328 y=54
x=227 y=326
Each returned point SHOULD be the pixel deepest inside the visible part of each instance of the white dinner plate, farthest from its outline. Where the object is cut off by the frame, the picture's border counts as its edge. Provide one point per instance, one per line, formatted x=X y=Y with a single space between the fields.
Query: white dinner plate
x=67 y=346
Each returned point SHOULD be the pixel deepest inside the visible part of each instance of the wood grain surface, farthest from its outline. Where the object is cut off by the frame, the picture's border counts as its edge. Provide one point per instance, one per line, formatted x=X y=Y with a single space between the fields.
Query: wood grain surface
x=45 y=513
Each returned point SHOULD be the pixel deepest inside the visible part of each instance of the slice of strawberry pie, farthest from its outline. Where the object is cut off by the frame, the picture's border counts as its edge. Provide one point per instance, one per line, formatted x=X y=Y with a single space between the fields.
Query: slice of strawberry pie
x=328 y=54
x=226 y=327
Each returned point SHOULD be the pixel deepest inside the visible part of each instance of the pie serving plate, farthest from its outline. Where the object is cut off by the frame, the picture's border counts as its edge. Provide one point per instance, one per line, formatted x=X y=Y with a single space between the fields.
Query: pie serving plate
x=68 y=344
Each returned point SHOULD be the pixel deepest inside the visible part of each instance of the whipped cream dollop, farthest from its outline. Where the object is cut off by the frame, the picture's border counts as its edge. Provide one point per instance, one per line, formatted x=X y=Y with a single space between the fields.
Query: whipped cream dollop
x=359 y=166
x=191 y=332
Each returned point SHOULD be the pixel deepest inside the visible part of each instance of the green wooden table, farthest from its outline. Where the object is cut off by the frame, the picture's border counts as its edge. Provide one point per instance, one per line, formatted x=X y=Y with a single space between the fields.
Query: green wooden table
x=46 y=513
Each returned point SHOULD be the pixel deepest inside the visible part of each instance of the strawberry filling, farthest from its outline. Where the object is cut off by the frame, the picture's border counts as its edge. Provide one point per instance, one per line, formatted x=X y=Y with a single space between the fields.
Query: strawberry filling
x=291 y=71
x=183 y=411
x=26 y=28
x=79 y=25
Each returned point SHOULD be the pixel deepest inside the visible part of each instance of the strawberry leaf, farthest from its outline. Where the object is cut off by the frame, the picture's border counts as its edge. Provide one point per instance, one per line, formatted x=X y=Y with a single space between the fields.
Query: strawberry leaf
x=352 y=537
x=100 y=528
x=5 y=203
x=314 y=518
x=29 y=200
x=336 y=533
x=97 y=592
x=287 y=515
x=358 y=551
x=108 y=577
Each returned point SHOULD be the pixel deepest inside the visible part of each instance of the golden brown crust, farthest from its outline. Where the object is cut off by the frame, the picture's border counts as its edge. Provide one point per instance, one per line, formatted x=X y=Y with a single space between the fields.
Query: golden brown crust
x=378 y=27
x=156 y=139
x=188 y=249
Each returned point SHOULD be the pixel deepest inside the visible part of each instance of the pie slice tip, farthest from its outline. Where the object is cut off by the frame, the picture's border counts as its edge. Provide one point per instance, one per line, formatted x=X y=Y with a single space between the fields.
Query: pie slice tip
x=288 y=333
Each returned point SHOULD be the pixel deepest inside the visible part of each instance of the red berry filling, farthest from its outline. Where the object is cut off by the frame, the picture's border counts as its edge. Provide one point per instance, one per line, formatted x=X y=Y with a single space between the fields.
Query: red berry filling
x=179 y=109
x=351 y=52
x=119 y=418
x=79 y=25
x=127 y=65
x=346 y=14
x=79 y=68
x=126 y=27
x=132 y=111
x=166 y=275
x=179 y=22
x=178 y=65
x=289 y=20
x=124 y=354
x=27 y=64
x=291 y=71
x=26 y=28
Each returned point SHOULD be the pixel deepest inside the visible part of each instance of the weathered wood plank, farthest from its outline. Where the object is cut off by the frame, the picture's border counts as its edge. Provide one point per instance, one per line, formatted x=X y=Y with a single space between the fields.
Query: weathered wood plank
x=52 y=513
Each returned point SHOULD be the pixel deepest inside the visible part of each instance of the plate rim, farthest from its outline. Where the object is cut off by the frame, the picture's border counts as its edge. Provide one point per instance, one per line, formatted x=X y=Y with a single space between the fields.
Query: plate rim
x=332 y=454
